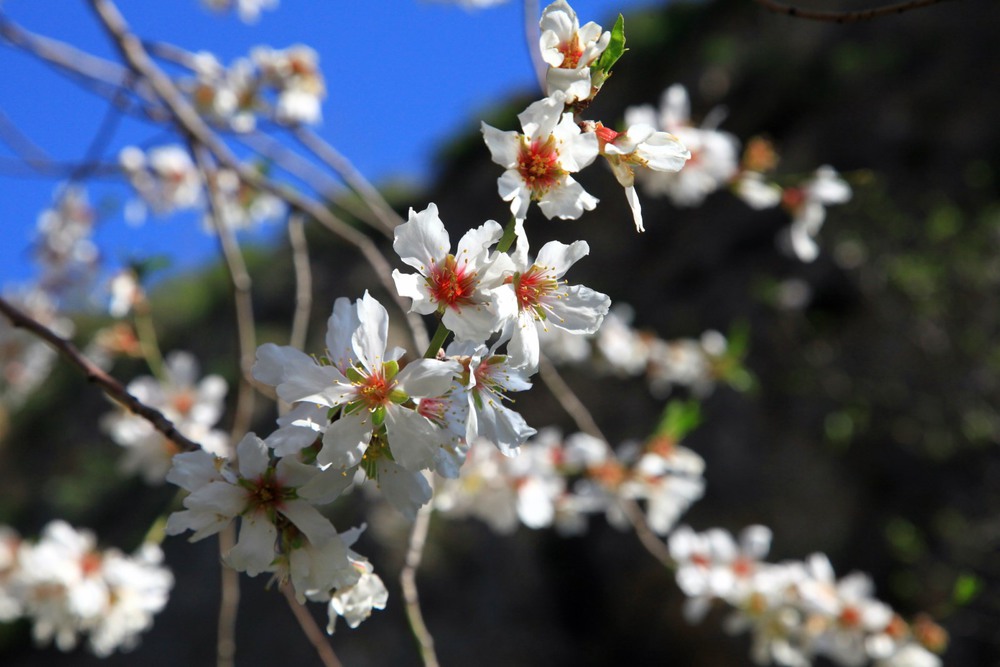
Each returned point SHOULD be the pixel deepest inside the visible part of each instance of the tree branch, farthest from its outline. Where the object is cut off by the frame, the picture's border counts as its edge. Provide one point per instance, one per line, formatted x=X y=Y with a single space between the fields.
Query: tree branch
x=845 y=16
x=112 y=387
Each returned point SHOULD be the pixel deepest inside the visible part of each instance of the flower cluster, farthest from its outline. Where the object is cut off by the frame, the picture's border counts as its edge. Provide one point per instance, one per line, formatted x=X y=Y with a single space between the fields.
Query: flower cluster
x=68 y=588
x=248 y=10
x=552 y=144
x=280 y=84
x=796 y=610
x=192 y=406
x=715 y=164
x=618 y=348
x=167 y=181
x=64 y=249
x=560 y=482
x=281 y=530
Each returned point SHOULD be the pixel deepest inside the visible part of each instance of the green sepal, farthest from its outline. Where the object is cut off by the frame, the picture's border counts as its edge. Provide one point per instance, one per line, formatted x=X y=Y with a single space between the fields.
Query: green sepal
x=354 y=406
x=601 y=70
x=398 y=396
x=478 y=400
x=354 y=376
x=679 y=418
x=390 y=369
x=378 y=416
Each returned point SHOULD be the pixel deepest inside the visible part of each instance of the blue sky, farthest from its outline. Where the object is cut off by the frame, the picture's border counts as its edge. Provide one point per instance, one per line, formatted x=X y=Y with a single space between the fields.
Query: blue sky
x=401 y=76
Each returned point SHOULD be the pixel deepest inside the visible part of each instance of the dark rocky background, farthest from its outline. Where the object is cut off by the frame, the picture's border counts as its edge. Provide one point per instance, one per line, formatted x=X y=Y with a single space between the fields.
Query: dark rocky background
x=872 y=433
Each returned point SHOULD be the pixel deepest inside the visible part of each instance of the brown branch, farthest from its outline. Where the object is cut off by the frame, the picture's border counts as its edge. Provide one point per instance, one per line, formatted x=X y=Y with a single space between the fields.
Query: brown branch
x=575 y=408
x=845 y=16
x=303 y=281
x=408 y=582
x=106 y=77
x=111 y=387
x=387 y=217
x=311 y=629
x=242 y=298
x=192 y=125
x=229 y=602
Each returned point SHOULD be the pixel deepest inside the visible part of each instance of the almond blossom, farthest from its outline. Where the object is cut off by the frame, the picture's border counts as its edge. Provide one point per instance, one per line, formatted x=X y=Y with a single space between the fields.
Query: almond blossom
x=68 y=588
x=714 y=159
x=539 y=161
x=569 y=50
x=165 y=178
x=465 y=288
x=544 y=297
x=807 y=204
x=486 y=379
x=272 y=500
x=378 y=426
x=193 y=406
x=643 y=147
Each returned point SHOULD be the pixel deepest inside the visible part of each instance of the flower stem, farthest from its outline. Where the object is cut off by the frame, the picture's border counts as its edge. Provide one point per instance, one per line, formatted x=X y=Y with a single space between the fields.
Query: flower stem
x=439 y=337
x=507 y=240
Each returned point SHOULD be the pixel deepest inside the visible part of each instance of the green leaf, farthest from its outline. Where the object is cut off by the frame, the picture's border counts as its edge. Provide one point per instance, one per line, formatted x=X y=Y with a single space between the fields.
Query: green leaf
x=967 y=587
x=616 y=47
x=679 y=418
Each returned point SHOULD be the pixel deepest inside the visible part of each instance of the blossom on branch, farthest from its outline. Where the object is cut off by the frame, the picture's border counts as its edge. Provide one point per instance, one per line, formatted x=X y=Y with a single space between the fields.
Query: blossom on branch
x=540 y=159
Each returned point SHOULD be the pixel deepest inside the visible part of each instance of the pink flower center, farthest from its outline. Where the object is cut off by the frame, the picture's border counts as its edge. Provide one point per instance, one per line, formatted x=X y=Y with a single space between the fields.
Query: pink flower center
x=538 y=165
x=452 y=284
x=571 y=53
x=531 y=286
x=374 y=389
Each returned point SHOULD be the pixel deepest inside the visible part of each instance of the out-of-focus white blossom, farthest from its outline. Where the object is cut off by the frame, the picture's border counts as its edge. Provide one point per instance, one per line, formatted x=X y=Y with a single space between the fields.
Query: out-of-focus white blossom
x=165 y=178
x=193 y=406
x=795 y=611
x=248 y=10
x=807 y=205
x=25 y=360
x=714 y=154
x=68 y=588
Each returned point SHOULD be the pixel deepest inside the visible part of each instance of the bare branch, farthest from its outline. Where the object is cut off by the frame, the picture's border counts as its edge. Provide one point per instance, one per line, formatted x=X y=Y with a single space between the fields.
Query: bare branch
x=311 y=629
x=845 y=16
x=575 y=408
x=531 y=37
x=408 y=581
x=229 y=603
x=240 y=278
x=388 y=218
x=303 y=281
x=192 y=125
x=111 y=387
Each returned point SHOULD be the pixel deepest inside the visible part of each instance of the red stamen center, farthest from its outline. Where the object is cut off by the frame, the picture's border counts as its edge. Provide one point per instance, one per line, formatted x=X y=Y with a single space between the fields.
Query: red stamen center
x=531 y=286
x=375 y=390
x=452 y=284
x=571 y=53
x=538 y=165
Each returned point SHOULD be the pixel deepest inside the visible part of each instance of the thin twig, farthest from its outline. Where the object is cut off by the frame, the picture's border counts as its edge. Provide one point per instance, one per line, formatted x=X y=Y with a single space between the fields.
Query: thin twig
x=303 y=281
x=109 y=78
x=111 y=387
x=531 y=38
x=229 y=603
x=191 y=124
x=569 y=401
x=242 y=298
x=575 y=408
x=312 y=142
x=408 y=581
x=311 y=629
x=845 y=16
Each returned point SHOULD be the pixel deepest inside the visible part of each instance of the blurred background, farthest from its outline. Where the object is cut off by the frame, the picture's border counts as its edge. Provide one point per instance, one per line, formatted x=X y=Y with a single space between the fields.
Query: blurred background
x=871 y=431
